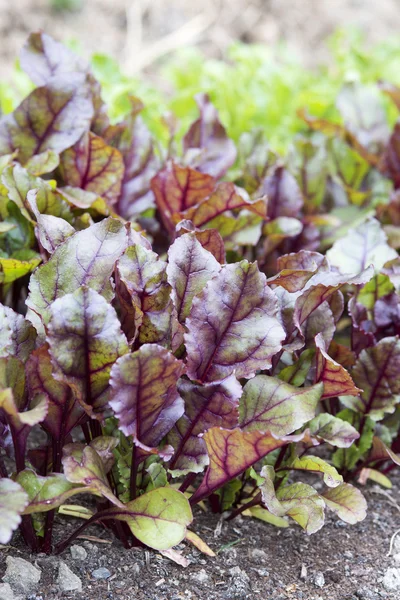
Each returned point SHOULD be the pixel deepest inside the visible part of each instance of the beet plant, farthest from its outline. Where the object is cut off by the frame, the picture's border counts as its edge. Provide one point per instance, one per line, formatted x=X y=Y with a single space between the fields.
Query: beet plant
x=190 y=322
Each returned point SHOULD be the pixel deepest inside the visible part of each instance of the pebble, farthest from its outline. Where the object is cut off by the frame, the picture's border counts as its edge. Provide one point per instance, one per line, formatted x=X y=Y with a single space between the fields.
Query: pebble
x=366 y=594
x=201 y=576
x=258 y=554
x=21 y=575
x=319 y=579
x=101 y=573
x=391 y=579
x=78 y=553
x=67 y=581
x=6 y=592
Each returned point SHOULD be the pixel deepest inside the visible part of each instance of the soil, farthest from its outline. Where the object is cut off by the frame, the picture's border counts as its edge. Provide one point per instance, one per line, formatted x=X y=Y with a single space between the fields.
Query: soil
x=138 y=32
x=254 y=561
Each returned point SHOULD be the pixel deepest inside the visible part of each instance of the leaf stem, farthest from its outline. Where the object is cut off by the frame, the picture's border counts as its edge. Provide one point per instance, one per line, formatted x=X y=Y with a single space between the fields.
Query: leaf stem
x=133 y=477
x=255 y=502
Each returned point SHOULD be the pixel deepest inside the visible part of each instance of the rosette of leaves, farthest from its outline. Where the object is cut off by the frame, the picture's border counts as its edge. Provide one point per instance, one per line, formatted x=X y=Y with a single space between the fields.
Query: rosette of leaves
x=192 y=334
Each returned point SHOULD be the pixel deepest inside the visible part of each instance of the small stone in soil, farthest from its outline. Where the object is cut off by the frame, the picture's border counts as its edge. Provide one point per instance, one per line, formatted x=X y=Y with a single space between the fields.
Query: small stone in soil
x=391 y=579
x=78 y=553
x=6 y=592
x=67 y=581
x=319 y=579
x=101 y=573
x=366 y=594
x=258 y=554
x=201 y=576
x=21 y=575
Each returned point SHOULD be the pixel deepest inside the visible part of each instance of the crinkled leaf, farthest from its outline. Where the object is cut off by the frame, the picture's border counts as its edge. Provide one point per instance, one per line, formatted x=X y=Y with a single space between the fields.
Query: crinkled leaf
x=21 y=421
x=52 y=117
x=337 y=381
x=178 y=188
x=225 y=197
x=316 y=464
x=363 y=246
x=93 y=166
x=347 y=502
x=158 y=518
x=284 y=195
x=214 y=405
x=85 y=340
x=233 y=325
x=64 y=412
x=83 y=465
x=376 y=372
x=270 y=404
x=144 y=293
x=206 y=144
x=231 y=452
x=46 y=493
x=20 y=335
x=13 y=500
x=144 y=395
x=189 y=268
x=86 y=258
x=333 y=430
x=299 y=501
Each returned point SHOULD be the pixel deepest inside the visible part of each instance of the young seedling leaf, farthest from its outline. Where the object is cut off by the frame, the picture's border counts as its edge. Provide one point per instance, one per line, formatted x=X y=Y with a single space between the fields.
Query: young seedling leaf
x=347 y=502
x=333 y=430
x=46 y=493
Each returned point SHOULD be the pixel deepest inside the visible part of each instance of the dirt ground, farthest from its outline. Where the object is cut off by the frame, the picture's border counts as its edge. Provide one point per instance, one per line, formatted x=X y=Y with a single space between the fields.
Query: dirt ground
x=254 y=561
x=140 y=32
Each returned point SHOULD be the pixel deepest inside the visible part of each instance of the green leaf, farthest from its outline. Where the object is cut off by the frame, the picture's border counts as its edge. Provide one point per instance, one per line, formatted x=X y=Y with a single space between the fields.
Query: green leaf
x=158 y=518
x=269 y=404
x=46 y=493
x=43 y=163
x=299 y=501
x=13 y=501
x=317 y=465
x=379 y=286
x=347 y=502
x=297 y=373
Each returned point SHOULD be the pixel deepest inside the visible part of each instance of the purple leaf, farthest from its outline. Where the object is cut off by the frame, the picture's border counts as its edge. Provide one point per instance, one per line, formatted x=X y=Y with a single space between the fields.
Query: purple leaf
x=85 y=340
x=206 y=406
x=206 y=145
x=64 y=412
x=178 y=188
x=86 y=258
x=144 y=294
x=233 y=325
x=52 y=117
x=189 y=268
x=144 y=394
x=337 y=381
x=284 y=195
x=93 y=166
x=231 y=452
